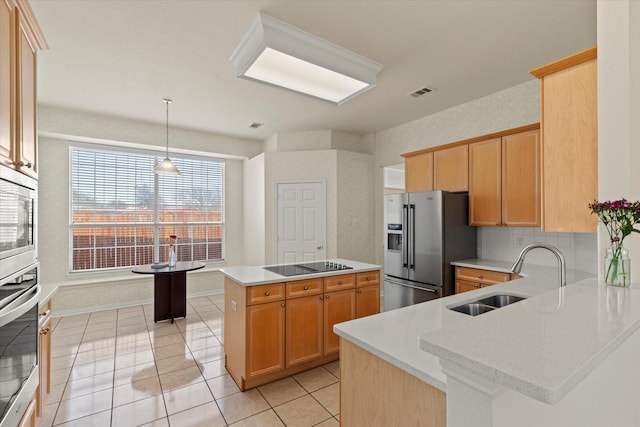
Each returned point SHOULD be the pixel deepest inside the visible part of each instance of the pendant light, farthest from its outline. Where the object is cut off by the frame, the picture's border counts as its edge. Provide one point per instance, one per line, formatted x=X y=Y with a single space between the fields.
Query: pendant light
x=167 y=167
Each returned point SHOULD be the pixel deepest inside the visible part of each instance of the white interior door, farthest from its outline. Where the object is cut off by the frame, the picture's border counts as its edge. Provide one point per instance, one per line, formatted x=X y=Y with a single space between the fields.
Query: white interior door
x=301 y=216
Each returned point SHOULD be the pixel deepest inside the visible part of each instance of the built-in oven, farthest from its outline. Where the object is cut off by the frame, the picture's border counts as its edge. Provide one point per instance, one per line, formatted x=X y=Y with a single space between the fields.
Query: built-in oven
x=18 y=219
x=19 y=296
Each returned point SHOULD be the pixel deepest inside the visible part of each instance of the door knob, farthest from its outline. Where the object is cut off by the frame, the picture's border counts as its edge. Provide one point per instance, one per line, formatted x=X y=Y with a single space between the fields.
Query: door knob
x=320 y=247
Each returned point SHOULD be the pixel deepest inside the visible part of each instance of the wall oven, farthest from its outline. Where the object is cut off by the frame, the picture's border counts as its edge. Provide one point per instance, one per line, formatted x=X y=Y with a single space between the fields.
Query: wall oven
x=19 y=377
x=18 y=218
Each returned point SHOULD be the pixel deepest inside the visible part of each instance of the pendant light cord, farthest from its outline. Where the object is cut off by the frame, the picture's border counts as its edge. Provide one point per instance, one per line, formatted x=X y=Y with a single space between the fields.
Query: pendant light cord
x=167 y=101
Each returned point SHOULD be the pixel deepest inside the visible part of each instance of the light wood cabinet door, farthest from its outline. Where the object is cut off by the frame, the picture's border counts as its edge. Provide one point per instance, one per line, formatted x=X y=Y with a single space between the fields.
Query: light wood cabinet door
x=5 y=84
x=304 y=329
x=338 y=307
x=44 y=358
x=29 y=417
x=265 y=339
x=485 y=183
x=451 y=169
x=339 y=283
x=367 y=300
x=27 y=137
x=368 y=278
x=418 y=173
x=569 y=107
x=521 y=179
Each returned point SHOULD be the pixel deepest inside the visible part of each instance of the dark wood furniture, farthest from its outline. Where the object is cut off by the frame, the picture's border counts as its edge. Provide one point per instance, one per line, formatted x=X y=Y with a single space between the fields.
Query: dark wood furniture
x=170 y=288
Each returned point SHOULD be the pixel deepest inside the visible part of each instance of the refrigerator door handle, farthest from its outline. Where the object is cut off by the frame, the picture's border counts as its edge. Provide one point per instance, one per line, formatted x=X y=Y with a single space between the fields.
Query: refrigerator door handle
x=412 y=251
x=405 y=234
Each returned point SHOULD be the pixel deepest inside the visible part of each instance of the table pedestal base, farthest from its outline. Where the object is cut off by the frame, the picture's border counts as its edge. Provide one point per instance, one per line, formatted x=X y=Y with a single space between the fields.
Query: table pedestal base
x=170 y=296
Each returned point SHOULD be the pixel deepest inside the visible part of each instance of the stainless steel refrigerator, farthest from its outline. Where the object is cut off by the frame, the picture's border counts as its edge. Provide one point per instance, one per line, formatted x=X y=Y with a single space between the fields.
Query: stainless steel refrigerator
x=424 y=233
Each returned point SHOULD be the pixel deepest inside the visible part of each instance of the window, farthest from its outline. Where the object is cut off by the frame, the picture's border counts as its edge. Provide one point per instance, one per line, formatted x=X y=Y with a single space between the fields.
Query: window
x=118 y=205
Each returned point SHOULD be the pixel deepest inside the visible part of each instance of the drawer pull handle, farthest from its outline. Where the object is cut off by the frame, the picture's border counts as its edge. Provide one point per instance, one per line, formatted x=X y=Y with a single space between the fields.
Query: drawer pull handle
x=266 y=294
x=306 y=288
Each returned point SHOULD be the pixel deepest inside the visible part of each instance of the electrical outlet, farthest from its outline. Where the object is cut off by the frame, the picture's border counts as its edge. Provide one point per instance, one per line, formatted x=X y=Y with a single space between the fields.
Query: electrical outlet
x=519 y=241
x=234 y=305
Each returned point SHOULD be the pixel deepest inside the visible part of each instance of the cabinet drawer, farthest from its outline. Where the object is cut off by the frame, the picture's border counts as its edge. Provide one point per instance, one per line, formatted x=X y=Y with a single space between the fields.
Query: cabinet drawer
x=336 y=283
x=484 y=277
x=466 y=286
x=303 y=288
x=367 y=278
x=265 y=293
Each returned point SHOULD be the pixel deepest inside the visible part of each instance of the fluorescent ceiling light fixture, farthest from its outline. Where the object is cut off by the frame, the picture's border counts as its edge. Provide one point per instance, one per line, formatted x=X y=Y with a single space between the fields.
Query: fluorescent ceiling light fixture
x=282 y=55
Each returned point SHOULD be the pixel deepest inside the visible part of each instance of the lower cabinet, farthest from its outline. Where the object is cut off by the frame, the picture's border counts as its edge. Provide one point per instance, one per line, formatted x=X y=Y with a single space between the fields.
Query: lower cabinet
x=29 y=418
x=367 y=294
x=276 y=330
x=265 y=338
x=469 y=279
x=339 y=306
x=304 y=327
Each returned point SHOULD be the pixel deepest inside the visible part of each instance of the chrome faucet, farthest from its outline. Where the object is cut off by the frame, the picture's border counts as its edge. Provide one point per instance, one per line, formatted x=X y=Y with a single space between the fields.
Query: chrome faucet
x=516 y=268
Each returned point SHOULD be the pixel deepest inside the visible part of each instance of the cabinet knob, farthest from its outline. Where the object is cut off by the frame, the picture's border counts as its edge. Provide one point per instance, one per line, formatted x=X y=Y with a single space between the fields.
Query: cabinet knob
x=340 y=283
x=480 y=276
x=359 y=291
x=45 y=331
x=306 y=288
x=327 y=296
x=266 y=294
x=21 y=164
x=282 y=305
x=368 y=279
x=321 y=297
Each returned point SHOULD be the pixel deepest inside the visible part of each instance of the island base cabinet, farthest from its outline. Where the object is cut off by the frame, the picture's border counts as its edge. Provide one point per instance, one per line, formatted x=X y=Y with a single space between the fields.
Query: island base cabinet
x=304 y=329
x=338 y=307
x=375 y=393
x=265 y=343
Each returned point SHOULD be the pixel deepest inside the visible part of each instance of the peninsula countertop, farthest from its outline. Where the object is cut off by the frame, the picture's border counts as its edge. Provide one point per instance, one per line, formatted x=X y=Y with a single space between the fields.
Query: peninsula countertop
x=394 y=336
x=257 y=275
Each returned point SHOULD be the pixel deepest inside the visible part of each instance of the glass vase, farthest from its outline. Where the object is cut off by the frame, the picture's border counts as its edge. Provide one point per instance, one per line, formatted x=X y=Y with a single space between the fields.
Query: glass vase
x=617 y=266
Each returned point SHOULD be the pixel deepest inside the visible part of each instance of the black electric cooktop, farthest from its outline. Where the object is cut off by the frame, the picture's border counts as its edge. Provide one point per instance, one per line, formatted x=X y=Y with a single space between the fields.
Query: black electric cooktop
x=307 y=268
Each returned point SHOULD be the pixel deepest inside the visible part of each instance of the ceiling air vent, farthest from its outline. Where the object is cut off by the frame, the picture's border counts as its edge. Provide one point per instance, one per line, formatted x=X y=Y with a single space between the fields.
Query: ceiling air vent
x=421 y=91
x=256 y=125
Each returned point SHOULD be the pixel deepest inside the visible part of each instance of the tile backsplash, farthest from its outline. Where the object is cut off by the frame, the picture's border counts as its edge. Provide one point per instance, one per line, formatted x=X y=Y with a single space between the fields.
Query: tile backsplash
x=505 y=243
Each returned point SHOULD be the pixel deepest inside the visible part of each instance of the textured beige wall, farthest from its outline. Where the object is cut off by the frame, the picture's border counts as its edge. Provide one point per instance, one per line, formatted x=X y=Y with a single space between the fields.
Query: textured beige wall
x=355 y=204
x=92 y=290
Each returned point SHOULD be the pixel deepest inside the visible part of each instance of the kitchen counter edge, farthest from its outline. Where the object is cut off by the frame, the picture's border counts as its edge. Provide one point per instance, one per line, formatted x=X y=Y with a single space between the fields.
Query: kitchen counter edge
x=256 y=275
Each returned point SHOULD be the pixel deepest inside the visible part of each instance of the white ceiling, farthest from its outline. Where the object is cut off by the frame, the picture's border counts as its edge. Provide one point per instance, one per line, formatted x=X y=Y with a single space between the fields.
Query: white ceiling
x=122 y=57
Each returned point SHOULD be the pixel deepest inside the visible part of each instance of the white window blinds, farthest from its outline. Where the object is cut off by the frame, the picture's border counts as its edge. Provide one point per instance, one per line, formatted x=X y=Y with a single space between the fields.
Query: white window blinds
x=117 y=203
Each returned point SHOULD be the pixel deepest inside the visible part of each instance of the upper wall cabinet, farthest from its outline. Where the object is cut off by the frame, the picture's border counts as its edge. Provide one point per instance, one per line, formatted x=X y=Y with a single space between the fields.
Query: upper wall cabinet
x=418 y=174
x=20 y=39
x=504 y=181
x=451 y=169
x=569 y=117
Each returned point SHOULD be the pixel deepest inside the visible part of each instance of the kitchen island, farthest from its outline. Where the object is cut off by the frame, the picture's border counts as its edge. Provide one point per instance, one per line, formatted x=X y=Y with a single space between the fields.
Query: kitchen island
x=542 y=361
x=276 y=325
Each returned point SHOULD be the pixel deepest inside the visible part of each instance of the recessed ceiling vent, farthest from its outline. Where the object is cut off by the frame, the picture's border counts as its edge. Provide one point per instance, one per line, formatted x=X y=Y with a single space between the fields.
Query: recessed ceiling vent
x=256 y=125
x=421 y=91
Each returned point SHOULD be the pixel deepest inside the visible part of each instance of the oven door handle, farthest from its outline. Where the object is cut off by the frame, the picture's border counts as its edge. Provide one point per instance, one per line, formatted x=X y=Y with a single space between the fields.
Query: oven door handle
x=20 y=306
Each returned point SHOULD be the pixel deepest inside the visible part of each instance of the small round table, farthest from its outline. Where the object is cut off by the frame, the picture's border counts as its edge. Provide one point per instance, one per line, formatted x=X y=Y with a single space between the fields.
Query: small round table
x=169 y=288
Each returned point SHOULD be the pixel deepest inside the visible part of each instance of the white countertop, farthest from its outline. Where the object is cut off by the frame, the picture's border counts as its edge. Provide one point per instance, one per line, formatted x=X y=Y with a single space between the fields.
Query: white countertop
x=394 y=336
x=47 y=292
x=256 y=275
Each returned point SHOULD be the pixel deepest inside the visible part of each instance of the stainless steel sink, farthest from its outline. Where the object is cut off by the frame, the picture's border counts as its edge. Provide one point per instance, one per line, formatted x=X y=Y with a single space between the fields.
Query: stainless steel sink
x=485 y=304
x=472 y=309
x=498 y=301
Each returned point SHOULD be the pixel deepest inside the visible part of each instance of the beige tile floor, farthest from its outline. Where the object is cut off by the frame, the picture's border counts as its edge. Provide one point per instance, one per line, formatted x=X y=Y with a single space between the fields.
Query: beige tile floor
x=118 y=368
